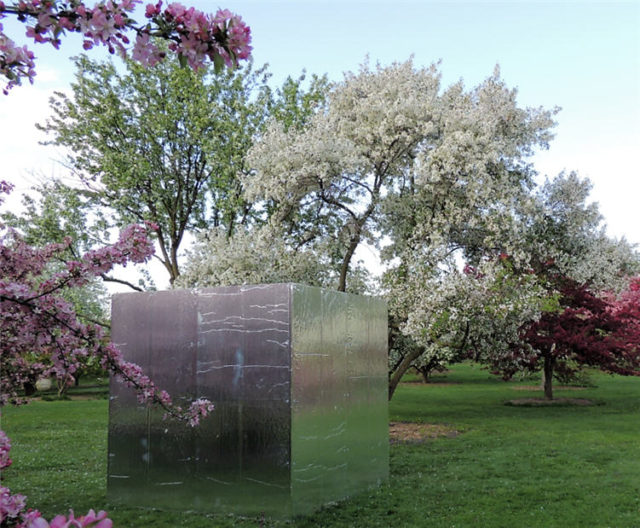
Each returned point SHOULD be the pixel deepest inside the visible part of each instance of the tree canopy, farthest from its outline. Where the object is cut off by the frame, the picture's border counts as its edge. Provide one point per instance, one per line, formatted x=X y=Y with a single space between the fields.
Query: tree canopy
x=582 y=275
x=167 y=144
x=430 y=175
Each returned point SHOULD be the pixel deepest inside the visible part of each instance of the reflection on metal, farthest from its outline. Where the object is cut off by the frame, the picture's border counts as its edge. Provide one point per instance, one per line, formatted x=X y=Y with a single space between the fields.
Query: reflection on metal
x=298 y=376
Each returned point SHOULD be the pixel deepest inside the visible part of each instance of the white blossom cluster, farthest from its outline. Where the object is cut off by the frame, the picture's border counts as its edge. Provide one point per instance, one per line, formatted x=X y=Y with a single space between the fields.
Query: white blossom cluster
x=253 y=257
x=568 y=232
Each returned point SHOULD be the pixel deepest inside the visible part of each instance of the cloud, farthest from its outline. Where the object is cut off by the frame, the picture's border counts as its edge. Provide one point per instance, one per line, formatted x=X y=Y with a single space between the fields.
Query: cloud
x=20 y=149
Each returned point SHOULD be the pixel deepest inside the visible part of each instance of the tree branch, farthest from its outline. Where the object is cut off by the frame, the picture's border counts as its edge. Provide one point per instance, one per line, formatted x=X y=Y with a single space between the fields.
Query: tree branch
x=106 y=278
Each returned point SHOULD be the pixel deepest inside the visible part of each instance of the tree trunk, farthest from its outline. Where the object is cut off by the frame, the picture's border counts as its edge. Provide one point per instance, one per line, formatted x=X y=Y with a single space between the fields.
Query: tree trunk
x=344 y=269
x=402 y=368
x=426 y=370
x=547 y=377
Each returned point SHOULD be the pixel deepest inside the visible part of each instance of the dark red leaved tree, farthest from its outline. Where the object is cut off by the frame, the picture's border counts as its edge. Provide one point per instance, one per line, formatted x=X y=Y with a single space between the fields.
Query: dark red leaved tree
x=586 y=329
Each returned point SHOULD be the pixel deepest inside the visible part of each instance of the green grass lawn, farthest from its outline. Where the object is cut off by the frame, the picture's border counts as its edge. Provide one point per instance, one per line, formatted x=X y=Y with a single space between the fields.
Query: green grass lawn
x=510 y=466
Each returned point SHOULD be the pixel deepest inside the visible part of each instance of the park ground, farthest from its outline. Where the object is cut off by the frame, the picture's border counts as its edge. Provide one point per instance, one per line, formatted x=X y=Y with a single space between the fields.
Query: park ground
x=460 y=457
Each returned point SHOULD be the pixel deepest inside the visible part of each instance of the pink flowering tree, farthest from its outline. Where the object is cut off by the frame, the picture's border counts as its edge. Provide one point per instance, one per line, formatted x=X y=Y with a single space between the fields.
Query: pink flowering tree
x=34 y=315
x=195 y=36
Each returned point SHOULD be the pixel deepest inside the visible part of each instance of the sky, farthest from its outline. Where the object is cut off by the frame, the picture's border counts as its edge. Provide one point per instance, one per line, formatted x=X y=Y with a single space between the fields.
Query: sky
x=581 y=56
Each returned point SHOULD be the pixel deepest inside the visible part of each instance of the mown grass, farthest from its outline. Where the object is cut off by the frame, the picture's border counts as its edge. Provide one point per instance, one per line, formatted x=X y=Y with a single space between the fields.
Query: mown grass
x=511 y=466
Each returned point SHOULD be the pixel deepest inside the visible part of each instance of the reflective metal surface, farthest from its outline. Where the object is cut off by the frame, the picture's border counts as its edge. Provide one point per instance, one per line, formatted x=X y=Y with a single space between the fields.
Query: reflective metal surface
x=339 y=412
x=298 y=377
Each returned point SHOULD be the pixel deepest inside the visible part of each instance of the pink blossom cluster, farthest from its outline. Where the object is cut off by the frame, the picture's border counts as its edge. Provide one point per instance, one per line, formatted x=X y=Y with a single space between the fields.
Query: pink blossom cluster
x=222 y=38
x=16 y=61
x=13 y=514
x=199 y=408
x=11 y=507
x=133 y=376
x=34 y=316
x=90 y=520
x=5 y=447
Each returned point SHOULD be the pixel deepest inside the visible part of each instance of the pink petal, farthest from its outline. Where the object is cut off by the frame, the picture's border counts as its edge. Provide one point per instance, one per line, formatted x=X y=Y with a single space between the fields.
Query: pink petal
x=39 y=522
x=59 y=521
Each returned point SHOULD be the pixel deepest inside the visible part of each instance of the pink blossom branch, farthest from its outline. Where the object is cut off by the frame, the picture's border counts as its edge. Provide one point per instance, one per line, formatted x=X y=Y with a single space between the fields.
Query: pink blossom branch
x=196 y=37
x=34 y=317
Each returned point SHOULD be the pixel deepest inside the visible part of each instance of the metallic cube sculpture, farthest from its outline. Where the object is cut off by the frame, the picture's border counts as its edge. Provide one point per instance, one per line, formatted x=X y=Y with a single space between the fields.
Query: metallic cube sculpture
x=298 y=376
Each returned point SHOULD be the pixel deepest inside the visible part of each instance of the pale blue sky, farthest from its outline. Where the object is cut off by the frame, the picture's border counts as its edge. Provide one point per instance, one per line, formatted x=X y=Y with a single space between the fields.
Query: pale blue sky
x=582 y=56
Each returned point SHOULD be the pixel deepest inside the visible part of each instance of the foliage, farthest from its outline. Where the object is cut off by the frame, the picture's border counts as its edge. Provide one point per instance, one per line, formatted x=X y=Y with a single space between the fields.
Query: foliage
x=392 y=156
x=260 y=255
x=296 y=101
x=581 y=273
x=249 y=257
x=458 y=314
x=435 y=174
x=168 y=145
x=194 y=36
x=162 y=144
x=553 y=231
x=566 y=235
x=585 y=330
x=325 y=180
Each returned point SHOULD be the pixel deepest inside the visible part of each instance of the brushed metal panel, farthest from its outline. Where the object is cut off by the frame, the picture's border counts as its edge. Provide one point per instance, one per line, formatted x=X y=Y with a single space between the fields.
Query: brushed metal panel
x=338 y=358
x=368 y=388
x=318 y=451
x=128 y=439
x=172 y=364
x=244 y=361
x=230 y=345
x=298 y=376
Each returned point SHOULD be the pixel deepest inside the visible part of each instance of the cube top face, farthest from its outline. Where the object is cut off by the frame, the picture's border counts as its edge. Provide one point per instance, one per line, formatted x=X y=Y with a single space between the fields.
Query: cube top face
x=298 y=376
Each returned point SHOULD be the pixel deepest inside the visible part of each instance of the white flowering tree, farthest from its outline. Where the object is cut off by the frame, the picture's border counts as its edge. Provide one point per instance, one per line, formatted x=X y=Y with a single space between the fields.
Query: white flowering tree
x=441 y=317
x=441 y=176
x=567 y=235
x=441 y=180
x=249 y=257
x=326 y=181
x=483 y=311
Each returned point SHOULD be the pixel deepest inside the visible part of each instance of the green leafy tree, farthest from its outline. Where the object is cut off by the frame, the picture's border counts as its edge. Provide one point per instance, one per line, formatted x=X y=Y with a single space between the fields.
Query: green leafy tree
x=163 y=144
